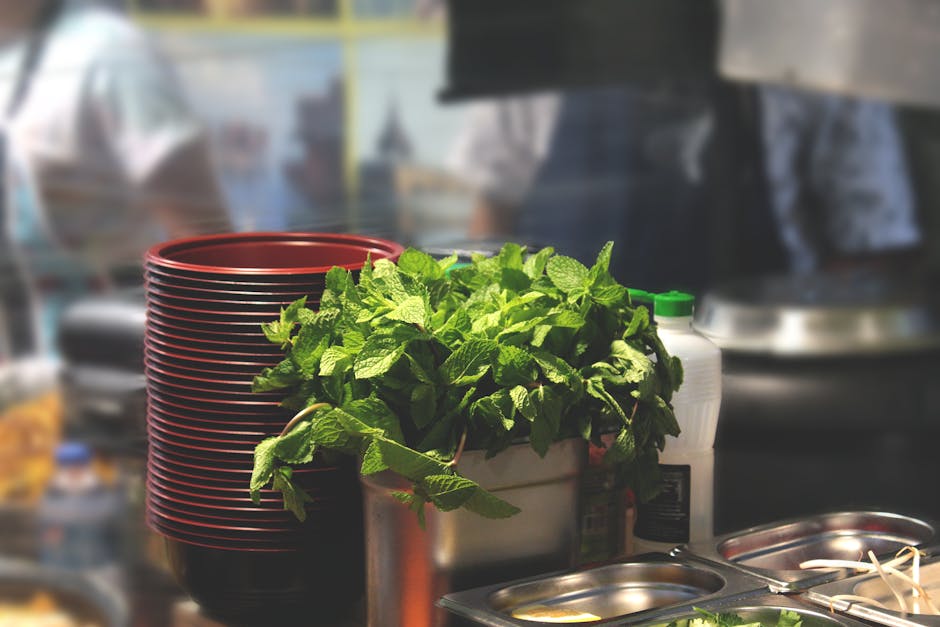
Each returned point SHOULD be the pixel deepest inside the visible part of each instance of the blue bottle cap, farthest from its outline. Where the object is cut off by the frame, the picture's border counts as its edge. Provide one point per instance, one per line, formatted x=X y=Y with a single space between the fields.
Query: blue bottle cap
x=72 y=454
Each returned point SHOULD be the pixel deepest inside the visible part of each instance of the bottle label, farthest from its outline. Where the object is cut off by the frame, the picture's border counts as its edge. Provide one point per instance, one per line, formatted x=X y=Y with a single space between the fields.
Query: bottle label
x=666 y=517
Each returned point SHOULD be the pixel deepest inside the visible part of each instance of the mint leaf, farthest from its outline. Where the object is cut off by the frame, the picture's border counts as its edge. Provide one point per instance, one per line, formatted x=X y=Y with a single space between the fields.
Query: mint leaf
x=623 y=449
x=567 y=274
x=334 y=359
x=407 y=462
x=412 y=310
x=419 y=264
x=375 y=414
x=295 y=499
x=283 y=375
x=377 y=356
x=548 y=407
x=448 y=492
x=489 y=505
x=495 y=409
x=309 y=345
x=296 y=447
x=534 y=266
x=263 y=467
x=326 y=430
x=372 y=461
x=514 y=366
x=423 y=405
x=469 y=362
x=520 y=398
x=602 y=265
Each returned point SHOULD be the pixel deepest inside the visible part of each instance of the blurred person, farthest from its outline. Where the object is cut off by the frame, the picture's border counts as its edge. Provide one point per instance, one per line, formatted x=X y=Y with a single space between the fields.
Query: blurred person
x=633 y=164
x=101 y=157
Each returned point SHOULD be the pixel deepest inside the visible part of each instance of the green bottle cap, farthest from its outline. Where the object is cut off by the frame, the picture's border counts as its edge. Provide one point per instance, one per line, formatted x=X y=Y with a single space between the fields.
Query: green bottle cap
x=456 y=266
x=641 y=297
x=673 y=304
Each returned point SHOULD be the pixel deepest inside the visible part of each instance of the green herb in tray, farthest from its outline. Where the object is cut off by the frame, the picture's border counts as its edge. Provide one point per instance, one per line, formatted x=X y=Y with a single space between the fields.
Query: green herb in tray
x=786 y=618
x=414 y=362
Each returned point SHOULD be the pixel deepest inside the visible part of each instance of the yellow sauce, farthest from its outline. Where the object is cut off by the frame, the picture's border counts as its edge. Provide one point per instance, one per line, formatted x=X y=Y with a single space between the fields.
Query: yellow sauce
x=546 y=614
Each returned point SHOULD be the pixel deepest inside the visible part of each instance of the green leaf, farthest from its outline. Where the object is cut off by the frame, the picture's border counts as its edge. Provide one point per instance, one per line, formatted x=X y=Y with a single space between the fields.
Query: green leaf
x=548 y=408
x=522 y=402
x=496 y=410
x=602 y=265
x=623 y=449
x=419 y=264
x=296 y=447
x=309 y=345
x=377 y=356
x=596 y=388
x=514 y=366
x=375 y=414
x=372 y=461
x=448 y=492
x=567 y=274
x=489 y=505
x=283 y=375
x=407 y=462
x=534 y=266
x=263 y=467
x=638 y=323
x=423 y=405
x=469 y=362
x=413 y=310
x=295 y=498
x=335 y=359
x=338 y=280
x=326 y=430
x=556 y=369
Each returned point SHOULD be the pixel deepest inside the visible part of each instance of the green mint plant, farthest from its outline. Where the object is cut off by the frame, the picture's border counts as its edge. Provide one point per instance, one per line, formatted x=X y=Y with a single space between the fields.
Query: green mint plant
x=418 y=361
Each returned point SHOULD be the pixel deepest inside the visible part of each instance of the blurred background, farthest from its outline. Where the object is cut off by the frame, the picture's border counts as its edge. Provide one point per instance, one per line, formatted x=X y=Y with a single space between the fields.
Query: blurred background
x=776 y=162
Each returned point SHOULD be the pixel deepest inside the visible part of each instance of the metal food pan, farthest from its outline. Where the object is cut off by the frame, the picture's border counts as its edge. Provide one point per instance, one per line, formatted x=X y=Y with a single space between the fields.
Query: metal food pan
x=764 y=608
x=870 y=585
x=774 y=551
x=624 y=590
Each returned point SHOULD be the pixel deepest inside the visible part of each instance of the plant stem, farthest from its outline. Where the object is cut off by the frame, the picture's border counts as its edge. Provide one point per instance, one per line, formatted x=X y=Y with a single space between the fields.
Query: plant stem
x=303 y=413
x=463 y=442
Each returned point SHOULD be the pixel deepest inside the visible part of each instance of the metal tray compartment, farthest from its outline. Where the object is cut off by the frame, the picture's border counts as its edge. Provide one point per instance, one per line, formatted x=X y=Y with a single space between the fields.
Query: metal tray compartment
x=871 y=586
x=775 y=551
x=765 y=608
x=645 y=583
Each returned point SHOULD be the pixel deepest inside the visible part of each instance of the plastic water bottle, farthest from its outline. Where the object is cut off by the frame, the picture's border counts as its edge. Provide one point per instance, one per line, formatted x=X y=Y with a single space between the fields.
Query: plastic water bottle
x=684 y=510
x=79 y=518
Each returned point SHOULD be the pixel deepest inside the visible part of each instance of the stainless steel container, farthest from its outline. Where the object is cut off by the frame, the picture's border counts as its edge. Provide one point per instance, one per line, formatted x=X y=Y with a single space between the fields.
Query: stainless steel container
x=408 y=569
x=631 y=590
x=871 y=586
x=773 y=552
x=764 y=608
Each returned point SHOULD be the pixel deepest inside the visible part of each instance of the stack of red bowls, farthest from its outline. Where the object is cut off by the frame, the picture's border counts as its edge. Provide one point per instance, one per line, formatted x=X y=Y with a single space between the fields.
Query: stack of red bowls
x=207 y=297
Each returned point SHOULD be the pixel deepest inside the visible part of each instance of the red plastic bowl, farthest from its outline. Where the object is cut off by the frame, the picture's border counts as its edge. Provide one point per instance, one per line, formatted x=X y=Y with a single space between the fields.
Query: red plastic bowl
x=221 y=411
x=271 y=255
x=161 y=287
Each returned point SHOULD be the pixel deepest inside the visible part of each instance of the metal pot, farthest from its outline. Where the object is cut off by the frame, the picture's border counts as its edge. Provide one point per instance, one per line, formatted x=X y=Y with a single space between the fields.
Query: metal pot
x=828 y=395
x=409 y=568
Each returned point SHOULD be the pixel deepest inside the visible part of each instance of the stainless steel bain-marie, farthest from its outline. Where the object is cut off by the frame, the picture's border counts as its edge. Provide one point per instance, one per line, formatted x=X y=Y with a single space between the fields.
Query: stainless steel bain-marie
x=870 y=585
x=774 y=552
x=764 y=608
x=633 y=591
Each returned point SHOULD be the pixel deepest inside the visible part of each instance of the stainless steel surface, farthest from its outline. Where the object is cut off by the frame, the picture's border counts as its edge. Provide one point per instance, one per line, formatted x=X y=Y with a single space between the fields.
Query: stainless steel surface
x=763 y=607
x=872 y=586
x=872 y=48
x=820 y=315
x=634 y=588
x=408 y=568
x=774 y=551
